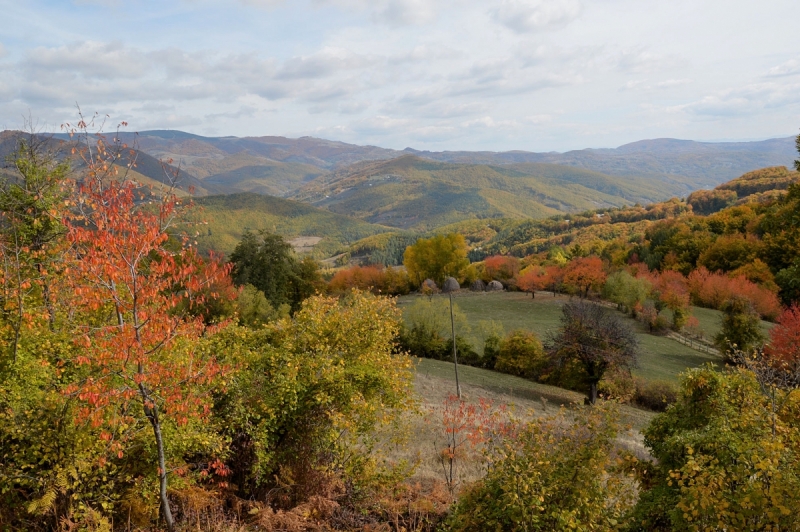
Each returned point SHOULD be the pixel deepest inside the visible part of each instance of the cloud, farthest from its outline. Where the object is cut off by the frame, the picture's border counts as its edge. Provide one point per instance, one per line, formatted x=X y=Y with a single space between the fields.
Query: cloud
x=406 y=12
x=525 y=16
x=3 y=51
x=323 y=64
x=643 y=85
x=640 y=60
x=490 y=123
x=743 y=101
x=789 y=68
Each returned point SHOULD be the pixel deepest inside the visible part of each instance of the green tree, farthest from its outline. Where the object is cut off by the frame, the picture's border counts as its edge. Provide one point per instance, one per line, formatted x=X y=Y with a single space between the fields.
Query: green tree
x=741 y=327
x=31 y=228
x=310 y=388
x=594 y=338
x=437 y=258
x=266 y=261
x=626 y=291
x=717 y=464
x=521 y=353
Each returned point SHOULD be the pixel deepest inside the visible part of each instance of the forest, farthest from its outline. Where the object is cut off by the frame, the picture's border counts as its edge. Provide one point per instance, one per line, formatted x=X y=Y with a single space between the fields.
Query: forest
x=146 y=386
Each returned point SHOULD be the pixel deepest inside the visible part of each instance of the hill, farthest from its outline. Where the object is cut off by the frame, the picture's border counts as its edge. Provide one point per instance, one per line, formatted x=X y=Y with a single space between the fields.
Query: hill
x=145 y=168
x=525 y=237
x=414 y=193
x=226 y=217
x=682 y=165
x=685 y=163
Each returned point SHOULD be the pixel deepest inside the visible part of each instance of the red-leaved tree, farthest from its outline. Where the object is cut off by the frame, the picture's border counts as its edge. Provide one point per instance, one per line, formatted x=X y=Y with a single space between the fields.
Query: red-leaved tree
x=134 y=290
x=784 y=344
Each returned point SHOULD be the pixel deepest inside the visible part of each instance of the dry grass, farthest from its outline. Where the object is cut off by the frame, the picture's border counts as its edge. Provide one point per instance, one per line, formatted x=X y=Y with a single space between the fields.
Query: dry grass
x=523 y=400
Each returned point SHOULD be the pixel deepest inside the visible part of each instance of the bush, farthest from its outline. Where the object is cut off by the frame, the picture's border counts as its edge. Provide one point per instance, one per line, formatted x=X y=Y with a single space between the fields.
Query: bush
x=618 y=385
x=554 y=475
x=654 y=395
x=521 y=354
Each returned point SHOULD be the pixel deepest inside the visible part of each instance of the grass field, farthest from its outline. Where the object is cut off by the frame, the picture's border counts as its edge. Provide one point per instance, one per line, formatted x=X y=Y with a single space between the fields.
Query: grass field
x=661 y=358
x=710 y=321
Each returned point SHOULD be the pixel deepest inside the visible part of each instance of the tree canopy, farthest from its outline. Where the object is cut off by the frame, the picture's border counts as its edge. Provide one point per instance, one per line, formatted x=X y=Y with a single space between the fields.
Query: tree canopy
x=437 y=258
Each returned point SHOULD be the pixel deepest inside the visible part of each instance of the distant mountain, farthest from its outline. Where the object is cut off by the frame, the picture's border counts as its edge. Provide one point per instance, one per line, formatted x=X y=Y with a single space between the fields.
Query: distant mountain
x=682 y=162
x=144 y=167
x=683 y=165
x=414 y=193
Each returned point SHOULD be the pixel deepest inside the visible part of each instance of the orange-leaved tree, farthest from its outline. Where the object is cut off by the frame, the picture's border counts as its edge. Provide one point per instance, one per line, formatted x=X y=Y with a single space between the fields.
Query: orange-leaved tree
x=533 y=279
x=585 y=273
x=502 y=267
x=134 y=290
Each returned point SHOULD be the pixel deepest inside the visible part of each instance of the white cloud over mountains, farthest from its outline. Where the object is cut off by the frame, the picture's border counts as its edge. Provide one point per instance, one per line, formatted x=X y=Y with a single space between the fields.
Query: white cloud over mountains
x=432 y=74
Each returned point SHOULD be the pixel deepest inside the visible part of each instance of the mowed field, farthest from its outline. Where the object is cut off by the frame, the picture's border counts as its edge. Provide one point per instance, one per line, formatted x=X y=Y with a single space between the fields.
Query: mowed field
x=662 y=358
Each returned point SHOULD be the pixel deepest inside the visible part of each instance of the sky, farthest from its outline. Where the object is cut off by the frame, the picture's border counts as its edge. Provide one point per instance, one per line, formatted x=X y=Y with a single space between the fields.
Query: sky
x=536 y=75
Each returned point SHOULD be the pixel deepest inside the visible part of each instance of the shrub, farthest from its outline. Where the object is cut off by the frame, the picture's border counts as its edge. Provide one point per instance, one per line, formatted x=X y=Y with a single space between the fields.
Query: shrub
x=654 y=395
x=555 y=475
x=617 y=385
x=521 y=353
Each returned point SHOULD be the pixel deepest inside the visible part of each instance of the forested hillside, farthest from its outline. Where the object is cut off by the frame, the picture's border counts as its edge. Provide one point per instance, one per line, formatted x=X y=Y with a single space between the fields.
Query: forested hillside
x=410 y=192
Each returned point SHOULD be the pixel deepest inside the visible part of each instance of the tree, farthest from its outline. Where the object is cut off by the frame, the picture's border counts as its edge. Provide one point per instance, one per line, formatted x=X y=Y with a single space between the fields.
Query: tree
x=308 y=388
x=626 y=291
x=266 y=261
x=672 y=293
x=31 y=229
x=718 y=463
x=596 y=339
x=501 y=267
x=129 y=287
x=532 y=279
x=741 y=328
x=585 y=273
x=784 y=339
x=521 y=353
x=437 y=258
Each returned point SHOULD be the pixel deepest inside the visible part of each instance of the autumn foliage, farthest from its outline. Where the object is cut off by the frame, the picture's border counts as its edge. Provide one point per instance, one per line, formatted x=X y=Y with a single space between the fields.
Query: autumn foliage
x=584 y=273
x=784 y=338
x=500 y=267
x=376 y=279
x=713 y=290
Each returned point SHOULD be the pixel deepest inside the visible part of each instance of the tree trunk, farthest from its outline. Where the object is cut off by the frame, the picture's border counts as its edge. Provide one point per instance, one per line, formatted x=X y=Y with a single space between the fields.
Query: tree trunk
x=593 y=392
x=152 y=415
x=151 y=412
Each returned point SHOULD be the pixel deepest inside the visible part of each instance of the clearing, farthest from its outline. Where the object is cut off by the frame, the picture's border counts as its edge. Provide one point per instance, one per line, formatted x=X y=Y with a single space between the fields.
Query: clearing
x=662 y=358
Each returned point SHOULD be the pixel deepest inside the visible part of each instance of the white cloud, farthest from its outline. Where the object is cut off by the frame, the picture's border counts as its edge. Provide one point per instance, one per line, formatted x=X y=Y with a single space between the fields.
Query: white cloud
x=643 y=85
x=744 y=101
x=3 y=51
x=789 y=68
x=525 y=16
x=406 y=12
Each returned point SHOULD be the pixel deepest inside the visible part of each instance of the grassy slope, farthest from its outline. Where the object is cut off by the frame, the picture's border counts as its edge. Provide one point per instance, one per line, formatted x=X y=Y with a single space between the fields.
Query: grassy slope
x=229 y=216
x=266 y=177
x=661 y=358
x=409 y=192
x=711 y=320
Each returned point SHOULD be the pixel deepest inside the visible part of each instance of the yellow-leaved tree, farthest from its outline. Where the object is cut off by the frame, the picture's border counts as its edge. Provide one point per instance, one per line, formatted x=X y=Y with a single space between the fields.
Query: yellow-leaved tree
x=437 y=258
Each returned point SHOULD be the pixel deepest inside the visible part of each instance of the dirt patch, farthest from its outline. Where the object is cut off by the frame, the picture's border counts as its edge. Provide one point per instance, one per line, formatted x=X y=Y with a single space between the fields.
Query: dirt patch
x=304 y=244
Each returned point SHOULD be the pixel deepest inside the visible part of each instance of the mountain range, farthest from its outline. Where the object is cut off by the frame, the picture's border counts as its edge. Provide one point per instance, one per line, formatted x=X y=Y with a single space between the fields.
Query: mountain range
x=324 y=185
